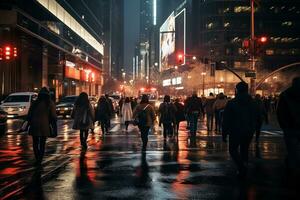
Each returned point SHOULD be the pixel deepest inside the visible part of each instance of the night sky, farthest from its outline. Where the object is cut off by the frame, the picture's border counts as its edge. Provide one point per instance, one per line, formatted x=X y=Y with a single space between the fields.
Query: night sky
x=131 y=30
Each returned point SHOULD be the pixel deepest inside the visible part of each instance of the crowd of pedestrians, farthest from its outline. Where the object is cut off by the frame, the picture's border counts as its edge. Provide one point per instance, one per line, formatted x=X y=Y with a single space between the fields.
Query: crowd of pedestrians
x=239 y=118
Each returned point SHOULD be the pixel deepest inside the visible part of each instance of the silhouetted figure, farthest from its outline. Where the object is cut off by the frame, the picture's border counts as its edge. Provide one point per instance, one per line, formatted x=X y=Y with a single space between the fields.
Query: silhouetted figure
x=111 y=108
x=209 y=110
x=167 y=116
x=145 y=116
x=262 y=113
x=103 y=114
x=126 y=112
x=41 y=114
x=288 y=114
x=194 y=109
x=83 y=114
x=179 y=114
x=240 y=119
x=218 y=107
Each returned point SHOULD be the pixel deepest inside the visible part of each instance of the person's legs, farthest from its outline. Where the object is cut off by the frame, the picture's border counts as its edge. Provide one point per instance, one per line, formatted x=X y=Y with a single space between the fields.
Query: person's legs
x=42 y=143
x=194 y=124
x=209 y=121
x=220 y=121
x=102 y=124
x=216 y=120
x=234 y=145
x=35 y=145
x=144 y=136
x=126 y=125
x=83 y=138
x=165 y=130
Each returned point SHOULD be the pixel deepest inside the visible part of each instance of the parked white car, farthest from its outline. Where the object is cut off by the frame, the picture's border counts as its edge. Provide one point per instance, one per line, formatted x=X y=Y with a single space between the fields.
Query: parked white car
x=18 y=104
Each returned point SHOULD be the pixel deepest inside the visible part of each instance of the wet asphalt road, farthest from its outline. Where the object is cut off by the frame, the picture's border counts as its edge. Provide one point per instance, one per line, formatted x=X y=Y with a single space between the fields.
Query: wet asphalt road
x=113 y=167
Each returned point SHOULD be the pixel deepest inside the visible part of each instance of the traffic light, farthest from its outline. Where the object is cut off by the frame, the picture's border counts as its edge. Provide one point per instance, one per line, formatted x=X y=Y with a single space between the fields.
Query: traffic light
x=180 y=59
x=8 y=52
x=260 y=44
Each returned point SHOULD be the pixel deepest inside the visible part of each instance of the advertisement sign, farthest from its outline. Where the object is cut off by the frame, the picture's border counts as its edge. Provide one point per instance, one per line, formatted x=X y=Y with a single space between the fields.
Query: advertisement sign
x=167 y=42
x=71 y=72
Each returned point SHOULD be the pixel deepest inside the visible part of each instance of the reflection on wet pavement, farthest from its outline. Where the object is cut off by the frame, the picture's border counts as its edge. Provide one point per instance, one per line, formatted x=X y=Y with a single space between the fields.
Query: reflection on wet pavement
x=113 y=167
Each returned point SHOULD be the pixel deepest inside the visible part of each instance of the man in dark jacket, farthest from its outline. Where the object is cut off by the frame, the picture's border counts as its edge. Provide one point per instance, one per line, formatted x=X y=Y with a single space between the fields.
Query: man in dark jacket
x=167 y=116
x=111 y=109
x=288 y=114
x=194 y=109
x=240 y=120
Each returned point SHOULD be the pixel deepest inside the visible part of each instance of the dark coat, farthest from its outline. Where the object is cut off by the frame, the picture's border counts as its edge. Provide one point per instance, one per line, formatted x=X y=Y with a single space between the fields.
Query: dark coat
x=179 y=114
x=288 y=111
x=103 y=111
x=39 y=116
x=78 y=115
x=240 y=117
x=150 y=114
x=194 y=104
x=167 y=113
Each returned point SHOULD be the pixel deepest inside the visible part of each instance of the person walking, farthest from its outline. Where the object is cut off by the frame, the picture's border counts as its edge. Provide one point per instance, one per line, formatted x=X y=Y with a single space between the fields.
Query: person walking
x=262 y=113
x=288 y=114
x=194 y=109
x=218 y=108
x=179 y=114
x=41 y=115
x=240 y=121
x=83 y=115
x=126 y=113
x=167 y=118
x=209 y=110
x=111 y=109
x=103 y=114
x=145 y=116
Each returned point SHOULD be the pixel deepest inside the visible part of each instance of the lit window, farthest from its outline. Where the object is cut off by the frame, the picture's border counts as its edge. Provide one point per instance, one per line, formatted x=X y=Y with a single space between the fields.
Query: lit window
x=287 y=23
x=226 y=10
x=210 y=25
x=270 y=52
x=239 y=9
x=226 y=24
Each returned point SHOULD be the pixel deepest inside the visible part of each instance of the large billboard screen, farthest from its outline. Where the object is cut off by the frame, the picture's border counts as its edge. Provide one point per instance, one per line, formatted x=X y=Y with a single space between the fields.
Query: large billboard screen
x=167 y=43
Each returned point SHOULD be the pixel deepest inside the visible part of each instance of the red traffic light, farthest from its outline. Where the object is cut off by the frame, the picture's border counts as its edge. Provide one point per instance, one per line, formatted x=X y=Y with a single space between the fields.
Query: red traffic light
x=263 y=39
x=180 y=58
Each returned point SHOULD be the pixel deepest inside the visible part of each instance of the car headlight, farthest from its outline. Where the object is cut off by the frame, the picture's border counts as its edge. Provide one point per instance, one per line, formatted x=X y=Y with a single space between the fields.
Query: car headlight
x=157 y=104
x=22 y=108
x=67 y=108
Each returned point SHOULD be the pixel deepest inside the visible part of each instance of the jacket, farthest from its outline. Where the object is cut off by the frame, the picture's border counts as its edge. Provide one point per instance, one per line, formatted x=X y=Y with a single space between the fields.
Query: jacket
x=102 y=112
x=126 y=112
x=194 y=104
x=208 y=105
x=219 y=104
x=288 y=111
x=79 y=113
x=179 y=114
x=39 y=117
x=149 y=111
x=240 y=117
x=167 y=113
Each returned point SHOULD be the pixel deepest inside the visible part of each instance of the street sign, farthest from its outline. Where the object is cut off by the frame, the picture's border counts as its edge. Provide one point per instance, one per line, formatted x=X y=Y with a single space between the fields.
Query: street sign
x=250 y=74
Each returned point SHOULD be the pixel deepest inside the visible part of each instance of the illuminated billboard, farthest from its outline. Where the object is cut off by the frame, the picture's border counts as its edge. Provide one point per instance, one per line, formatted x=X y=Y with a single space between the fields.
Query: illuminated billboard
x=167 y=42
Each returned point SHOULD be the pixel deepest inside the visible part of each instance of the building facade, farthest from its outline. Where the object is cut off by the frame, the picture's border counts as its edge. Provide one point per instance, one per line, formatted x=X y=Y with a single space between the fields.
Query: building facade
x=59 y=44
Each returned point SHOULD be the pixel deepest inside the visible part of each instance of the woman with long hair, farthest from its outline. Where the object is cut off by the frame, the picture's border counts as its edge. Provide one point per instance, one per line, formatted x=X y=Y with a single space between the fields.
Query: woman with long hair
x=83 y=114
x=103 y=114
x=126 y=112
x=41 y=114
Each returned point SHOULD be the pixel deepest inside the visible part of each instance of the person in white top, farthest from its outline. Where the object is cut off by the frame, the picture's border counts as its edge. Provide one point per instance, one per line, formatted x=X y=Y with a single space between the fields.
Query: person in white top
x=126 y=112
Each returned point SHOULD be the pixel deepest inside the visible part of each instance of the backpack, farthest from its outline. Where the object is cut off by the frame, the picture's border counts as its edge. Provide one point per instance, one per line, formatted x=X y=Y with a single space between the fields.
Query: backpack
x=142 y=117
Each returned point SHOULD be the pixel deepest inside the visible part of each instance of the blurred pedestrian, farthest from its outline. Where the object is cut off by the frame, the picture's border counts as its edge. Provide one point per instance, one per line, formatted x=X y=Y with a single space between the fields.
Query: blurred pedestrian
x=288 y=114
x=83 y=115
x=134 y=103
x=240 y=119
x=209 y=110
x=111 y=108
x=179 y=114
x=219 y=106
x=145 y=117
x=103 y=114
x=188 y=117
x=126 y=112
x=41 y=115
x=262 y=113
x=167 y=118
x=194 y=109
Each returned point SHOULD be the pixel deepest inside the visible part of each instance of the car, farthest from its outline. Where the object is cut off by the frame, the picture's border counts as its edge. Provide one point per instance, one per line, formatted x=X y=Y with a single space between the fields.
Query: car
x=65 y=106
x=17 y=104
x=3 y=122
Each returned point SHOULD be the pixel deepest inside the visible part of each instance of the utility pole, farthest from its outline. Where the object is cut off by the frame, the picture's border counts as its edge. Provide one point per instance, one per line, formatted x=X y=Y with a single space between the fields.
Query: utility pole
x=252 y=57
